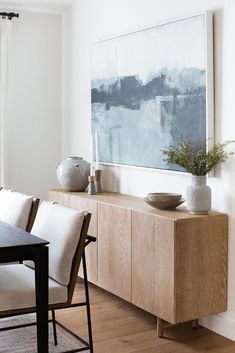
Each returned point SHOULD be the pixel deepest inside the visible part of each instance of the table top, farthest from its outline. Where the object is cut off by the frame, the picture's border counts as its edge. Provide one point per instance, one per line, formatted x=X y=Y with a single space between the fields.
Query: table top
x=13 y=237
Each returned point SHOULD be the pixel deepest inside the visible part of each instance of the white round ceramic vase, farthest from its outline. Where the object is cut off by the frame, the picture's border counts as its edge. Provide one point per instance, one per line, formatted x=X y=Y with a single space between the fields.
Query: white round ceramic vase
x=72 y=174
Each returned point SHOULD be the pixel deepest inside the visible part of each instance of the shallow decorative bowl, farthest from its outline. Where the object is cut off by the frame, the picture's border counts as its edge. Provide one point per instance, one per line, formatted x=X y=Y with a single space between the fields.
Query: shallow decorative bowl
x=164 y=205
x=163 y=196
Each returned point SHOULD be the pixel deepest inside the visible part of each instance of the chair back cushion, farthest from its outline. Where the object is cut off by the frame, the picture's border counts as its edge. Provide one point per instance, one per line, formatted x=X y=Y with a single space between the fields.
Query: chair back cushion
x=15 y=208
x=61 y=226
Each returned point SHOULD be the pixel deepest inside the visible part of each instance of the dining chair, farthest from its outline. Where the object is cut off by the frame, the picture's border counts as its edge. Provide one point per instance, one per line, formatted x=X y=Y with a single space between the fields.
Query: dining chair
x=66 y=230
x=18 y=209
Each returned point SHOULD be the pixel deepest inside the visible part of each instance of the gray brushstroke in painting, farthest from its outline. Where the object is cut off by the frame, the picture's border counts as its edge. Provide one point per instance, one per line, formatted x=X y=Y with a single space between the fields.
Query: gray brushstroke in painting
x=142 y=104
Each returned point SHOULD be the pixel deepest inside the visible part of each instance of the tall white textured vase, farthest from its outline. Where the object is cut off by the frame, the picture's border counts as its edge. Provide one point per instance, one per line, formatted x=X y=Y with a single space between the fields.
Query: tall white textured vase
x=198 y=195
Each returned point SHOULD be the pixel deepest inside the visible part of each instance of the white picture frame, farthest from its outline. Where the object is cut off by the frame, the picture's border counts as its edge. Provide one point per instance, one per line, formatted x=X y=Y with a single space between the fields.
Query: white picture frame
x=113 y=60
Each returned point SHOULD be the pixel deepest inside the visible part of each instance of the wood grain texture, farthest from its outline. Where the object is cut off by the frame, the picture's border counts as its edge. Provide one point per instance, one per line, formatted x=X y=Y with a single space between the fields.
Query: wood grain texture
x=91 y=251
x=114 y=250
x=138 y=204
x=160 y=327
x=153 y=264
x=171 y=263
x=200 y=268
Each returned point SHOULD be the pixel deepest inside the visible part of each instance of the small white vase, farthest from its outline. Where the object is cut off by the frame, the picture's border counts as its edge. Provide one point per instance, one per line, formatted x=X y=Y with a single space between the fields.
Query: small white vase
x=198 y=195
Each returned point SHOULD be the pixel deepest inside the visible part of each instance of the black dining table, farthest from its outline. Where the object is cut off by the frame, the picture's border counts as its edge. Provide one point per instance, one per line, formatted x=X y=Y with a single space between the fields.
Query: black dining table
x=18 y=245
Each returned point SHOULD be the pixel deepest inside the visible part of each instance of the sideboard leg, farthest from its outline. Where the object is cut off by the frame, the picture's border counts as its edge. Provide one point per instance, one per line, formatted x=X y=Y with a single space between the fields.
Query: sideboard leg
x=195 y=323
x=160 y=327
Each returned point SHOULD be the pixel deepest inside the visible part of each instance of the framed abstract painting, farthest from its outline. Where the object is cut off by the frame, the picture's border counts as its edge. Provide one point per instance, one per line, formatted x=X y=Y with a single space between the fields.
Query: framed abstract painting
x=153 y=88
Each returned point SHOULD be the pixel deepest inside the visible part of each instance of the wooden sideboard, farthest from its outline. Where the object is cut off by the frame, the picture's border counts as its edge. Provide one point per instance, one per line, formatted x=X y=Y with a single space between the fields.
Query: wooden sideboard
x=169 y=263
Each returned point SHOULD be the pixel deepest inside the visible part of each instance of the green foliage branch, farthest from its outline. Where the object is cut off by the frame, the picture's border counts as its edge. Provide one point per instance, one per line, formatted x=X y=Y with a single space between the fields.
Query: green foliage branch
x=197 y=162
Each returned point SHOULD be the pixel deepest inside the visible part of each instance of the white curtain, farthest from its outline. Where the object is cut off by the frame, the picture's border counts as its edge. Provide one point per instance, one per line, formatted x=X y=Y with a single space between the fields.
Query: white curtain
x=5 y=38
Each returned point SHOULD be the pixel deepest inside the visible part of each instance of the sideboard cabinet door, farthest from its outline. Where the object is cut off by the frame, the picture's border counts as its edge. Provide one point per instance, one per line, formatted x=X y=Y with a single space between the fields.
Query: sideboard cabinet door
x=91 y=250
x=153 y=264
x=200 y=267
x=114 y=250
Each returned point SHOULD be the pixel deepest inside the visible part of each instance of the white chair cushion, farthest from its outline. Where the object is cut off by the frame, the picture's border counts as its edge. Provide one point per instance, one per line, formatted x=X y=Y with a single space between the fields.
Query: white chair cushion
x=17 y=283
x=61 y=226
x=15 y=208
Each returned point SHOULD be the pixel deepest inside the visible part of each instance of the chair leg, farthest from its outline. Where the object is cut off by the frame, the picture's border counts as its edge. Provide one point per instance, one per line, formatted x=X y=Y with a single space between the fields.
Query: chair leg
x=54 y=327
x=87 y=302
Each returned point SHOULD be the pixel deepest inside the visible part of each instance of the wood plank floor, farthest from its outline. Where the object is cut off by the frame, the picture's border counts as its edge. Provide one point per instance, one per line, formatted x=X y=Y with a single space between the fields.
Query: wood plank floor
x=119 y=327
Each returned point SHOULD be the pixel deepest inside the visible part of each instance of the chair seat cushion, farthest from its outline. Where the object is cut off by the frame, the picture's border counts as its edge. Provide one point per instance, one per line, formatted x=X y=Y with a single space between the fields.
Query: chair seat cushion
x=17 y=283
x=61 y=226
x=15 y=208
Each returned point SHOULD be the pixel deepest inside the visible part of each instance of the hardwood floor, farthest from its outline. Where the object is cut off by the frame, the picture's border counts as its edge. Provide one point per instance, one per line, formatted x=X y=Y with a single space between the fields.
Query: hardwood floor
x=119 y=327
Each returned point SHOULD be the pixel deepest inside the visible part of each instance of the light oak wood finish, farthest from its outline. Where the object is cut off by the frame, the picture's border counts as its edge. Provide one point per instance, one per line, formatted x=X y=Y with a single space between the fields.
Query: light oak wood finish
x=91 y=251
x=179 y=268
x=120 y=327
x=153 y=264
x=60 y=197
x=170 y=263
x=132 y=203
x=200 y=267
x=114 y=249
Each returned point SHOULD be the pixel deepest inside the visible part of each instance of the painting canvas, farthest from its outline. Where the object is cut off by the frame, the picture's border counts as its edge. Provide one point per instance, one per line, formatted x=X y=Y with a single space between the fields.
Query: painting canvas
x=150 y=90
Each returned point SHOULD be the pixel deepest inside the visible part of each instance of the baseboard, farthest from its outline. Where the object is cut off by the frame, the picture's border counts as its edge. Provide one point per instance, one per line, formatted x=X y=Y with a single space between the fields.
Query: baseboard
x=222 y=325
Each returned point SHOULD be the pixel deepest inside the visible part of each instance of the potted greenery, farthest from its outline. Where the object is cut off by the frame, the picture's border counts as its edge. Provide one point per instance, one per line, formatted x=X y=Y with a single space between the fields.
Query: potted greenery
x=198 y=162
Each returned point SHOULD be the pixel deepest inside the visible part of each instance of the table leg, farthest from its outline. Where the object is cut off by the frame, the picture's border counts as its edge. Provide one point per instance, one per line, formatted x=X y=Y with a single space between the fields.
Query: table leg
x=41 y=289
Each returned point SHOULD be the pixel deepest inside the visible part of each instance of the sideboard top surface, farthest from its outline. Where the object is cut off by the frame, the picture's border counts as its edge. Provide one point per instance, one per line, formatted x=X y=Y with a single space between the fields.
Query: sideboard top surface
x=137 y=204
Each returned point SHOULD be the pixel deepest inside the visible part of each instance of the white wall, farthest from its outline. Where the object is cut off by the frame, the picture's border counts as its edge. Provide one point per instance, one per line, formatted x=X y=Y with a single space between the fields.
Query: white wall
x=34 y=109
x=88 y=21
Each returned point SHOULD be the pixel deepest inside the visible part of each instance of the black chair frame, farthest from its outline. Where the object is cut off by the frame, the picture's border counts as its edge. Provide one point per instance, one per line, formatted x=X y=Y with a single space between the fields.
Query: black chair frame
x=87 y=345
